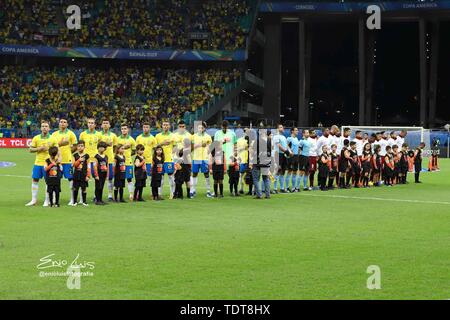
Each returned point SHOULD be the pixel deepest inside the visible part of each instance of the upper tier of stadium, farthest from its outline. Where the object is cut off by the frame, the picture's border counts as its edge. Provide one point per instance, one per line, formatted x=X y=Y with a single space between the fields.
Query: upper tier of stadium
x=135 y=24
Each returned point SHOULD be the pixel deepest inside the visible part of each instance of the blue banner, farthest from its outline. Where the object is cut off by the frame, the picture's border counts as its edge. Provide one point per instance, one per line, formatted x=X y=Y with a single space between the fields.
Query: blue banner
x=303 y=6
x=129 y=54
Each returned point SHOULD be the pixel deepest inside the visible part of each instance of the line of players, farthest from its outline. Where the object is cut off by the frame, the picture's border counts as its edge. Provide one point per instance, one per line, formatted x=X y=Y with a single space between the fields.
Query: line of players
x=339 y=160
x=108 y=158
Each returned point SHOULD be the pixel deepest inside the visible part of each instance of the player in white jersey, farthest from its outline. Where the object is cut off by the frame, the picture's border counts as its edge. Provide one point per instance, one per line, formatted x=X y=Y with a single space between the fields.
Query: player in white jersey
x=392 y=141
x=401 y=138
x=345 y=136
x=365 y=138
x=324 y=140
x=359 y=142
x=383 y=143
x=334 y=136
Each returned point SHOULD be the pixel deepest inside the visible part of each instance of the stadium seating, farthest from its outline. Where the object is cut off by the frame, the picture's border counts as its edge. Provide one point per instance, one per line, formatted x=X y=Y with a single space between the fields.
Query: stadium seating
x=131 y=95
x=149 y=24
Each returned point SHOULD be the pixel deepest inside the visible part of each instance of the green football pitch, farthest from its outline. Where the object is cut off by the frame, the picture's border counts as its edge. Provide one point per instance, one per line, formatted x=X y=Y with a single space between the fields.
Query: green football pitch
x=308 y=245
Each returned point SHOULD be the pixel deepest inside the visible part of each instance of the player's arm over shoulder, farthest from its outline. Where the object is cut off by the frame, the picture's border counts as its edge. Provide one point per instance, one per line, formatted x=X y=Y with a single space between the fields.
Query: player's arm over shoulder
x=34 y=145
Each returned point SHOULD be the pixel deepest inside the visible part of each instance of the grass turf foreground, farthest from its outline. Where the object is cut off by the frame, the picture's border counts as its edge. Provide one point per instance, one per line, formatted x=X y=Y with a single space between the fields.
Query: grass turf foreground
x=308 y=245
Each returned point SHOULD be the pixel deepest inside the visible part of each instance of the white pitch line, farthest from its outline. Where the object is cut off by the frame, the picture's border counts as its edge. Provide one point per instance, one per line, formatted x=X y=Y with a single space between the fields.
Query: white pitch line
x=311 y=194
x=14 y=176
x=374 y=198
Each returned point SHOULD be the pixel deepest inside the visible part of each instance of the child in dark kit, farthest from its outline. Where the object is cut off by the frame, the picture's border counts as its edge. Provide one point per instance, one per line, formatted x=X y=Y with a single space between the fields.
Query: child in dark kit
x=324 y=168
x=403 y=163
x=179 y=174
x=119 y=173
x=397 y=156
x=81 y=173
x=157 y=172
x=389 y=167
x=355 y=172
x=366 y=164
x=218 y=170
x=334 y=168
x=418 y=162
x=101 y=171
x=377 y=165
x=344 y=164
x=53 y=174
x=140 y=173
x=233 y=176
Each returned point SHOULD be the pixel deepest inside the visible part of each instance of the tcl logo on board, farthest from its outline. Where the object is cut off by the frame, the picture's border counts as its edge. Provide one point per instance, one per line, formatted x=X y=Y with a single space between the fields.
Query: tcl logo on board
x=15 y=143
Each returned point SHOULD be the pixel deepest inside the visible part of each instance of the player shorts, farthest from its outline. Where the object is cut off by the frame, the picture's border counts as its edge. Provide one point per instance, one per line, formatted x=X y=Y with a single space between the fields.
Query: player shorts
x=243 y=167
x=312 y=164
x=129 y=172
x=200 y=166
x=38 y=172
x=168 y=168
x=110 y=171
x=293 y=163
x=366 y=166
x=303 y=163
x=80 y=184
x=218 y=172
x=282 y=162
x=67 y=170
x=119 y=183
x=148 y=167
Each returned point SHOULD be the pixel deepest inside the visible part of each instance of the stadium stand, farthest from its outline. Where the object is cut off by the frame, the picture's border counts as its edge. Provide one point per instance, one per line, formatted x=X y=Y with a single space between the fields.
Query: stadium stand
x=131 y=94
x=150 y=24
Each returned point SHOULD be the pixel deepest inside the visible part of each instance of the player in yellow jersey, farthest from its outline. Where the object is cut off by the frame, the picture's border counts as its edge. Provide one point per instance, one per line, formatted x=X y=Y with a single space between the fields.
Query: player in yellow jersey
x=200 y=157
x=149 y=142
x=40 y=145
x=129 y=144
x=91 y=137
x=166 y=140
x=110 y=139
x=242 y=150
x=67 y=142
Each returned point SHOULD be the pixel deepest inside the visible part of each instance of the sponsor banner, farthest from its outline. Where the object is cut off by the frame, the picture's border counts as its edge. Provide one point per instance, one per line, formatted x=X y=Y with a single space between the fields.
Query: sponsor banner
x=129 y=54
x=304 y=6
x=15 y=143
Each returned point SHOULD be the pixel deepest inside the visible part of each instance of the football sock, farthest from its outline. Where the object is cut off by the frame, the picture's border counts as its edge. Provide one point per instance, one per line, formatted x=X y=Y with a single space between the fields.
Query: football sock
x=172 y=184
x=71 y=187
x=34 y=191
x=47 y=196
x=110 y=188
x=286 y=180
x=208 y=184
x=130 y=188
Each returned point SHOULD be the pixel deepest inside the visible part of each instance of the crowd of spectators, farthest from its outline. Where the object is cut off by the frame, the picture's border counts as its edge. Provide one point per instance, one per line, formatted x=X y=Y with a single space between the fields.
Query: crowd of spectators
x=136 y=24
x=223 y=20
x=131 y=95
